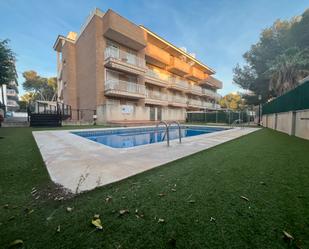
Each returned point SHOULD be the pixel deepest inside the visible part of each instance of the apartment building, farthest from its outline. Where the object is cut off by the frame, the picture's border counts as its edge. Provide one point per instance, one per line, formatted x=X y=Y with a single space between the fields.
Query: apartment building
x=128 y=73
x=9 y=98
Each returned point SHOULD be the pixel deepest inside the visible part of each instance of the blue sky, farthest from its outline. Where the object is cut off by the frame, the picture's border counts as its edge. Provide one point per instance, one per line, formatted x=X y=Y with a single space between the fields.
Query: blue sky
x=218 y=32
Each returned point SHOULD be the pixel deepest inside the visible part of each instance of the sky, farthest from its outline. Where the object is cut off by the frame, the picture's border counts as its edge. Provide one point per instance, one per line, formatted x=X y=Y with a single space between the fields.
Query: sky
x=218 y=32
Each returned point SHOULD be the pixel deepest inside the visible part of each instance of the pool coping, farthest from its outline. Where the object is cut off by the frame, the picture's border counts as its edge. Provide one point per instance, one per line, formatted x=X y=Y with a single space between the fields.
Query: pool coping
x=80 y=164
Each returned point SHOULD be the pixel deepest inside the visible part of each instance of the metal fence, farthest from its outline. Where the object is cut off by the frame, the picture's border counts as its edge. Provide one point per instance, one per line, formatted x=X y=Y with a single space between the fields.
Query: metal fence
x=222 y=116
x=296 y=99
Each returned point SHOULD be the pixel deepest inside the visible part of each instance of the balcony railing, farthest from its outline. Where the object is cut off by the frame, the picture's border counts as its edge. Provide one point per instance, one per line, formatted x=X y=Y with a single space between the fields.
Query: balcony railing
x=156 y=95
x=12 y=103
x=156 y=75
x=124 y=56
x=10 y=92
x=209 y=105
x=124 y=86
x=178 y=83
x=195 y=102
x=177 y=99
x=195 y=89
x=212 y=94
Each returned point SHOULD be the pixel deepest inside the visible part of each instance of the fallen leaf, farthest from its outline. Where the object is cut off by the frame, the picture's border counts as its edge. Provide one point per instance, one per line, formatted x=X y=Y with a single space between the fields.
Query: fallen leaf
x=108 y=198
x=191 y=201
x=96 y=221
x=160 y=220
x=161 y=194
x=212 y=219
x=287 y=235
x=245 y=198
x=58 y=229
x=262 y=183
x=123 y=211
x=174 y=190
x=6 y=206
x=69 y=209
x=17 y=242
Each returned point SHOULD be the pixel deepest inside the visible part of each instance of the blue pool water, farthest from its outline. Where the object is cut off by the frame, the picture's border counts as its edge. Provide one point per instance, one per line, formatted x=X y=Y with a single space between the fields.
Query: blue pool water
x=125 y=138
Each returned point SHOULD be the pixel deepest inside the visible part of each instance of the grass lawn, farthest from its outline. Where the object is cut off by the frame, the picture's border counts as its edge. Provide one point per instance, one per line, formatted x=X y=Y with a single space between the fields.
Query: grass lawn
x=198 y=197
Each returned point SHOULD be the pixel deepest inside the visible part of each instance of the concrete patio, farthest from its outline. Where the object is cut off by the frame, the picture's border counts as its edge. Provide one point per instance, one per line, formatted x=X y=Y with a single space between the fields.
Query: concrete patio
x=80 y=164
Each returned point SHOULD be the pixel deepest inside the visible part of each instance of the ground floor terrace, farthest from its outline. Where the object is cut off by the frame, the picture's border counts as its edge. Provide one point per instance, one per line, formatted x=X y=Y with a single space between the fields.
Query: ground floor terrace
x=244 y=193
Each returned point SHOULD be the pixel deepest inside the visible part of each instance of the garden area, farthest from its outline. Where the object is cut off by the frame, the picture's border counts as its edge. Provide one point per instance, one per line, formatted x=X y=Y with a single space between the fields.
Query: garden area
x=251 y=192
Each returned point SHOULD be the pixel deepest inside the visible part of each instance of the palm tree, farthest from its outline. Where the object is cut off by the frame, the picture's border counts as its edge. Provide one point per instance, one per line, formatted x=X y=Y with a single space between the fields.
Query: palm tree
x=288 y=69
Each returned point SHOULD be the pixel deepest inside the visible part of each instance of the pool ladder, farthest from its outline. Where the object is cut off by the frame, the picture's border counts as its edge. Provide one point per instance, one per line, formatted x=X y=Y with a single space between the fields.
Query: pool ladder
x=167 y=130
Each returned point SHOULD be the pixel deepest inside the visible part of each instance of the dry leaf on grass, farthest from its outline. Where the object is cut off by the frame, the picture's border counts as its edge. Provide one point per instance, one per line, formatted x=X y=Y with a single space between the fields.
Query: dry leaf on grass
x=96 y=221
x=108 y=199
x=160 y=220
x=287 y=235
x=17 y=242
x=123 y=211
x=69 y=209
x=245 y=198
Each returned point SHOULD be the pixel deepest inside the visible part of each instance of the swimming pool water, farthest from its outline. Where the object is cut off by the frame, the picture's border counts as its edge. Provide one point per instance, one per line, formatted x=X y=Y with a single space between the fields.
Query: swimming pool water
x=125 y=138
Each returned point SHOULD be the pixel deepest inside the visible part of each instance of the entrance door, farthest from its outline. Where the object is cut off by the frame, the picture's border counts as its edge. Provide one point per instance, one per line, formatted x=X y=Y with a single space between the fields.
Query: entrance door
x=152 y=112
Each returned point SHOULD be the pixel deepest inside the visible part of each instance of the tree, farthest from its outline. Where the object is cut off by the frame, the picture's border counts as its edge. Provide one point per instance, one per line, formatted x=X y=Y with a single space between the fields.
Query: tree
x=273 y=63
x=28 y=97
x=288 y=69
x=7 y=65
x=232 y=101
x=41 y=88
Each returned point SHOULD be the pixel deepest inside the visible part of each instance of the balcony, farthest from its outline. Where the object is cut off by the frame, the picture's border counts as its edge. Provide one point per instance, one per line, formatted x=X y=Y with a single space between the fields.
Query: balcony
x=211 y=81
x=177 y=101
x=195 y=74
x=178 y=66
x=155 y=78
x=178 y=84
x=11 y=103
x=120 y=88
x=157 y=56
x=10 y=92
x=210 y=106
x=195 y=103
x=123 y=31
x=210 y=93
x=195 y=90
x=156 y=98
x=122 y=60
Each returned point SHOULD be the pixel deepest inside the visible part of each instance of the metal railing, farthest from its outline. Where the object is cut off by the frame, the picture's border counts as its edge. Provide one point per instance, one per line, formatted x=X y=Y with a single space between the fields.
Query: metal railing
x=124 y=86
x=167 y=133
x=195 y=88
x=124 y=56
x=178 y=82
x=210 y=93
x=195 y=102
x=10 y=92
x=177 y=99
x=156 y=95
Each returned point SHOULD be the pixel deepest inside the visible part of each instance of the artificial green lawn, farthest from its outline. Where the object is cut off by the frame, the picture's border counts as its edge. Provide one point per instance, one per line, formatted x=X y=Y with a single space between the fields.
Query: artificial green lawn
x=269 y=168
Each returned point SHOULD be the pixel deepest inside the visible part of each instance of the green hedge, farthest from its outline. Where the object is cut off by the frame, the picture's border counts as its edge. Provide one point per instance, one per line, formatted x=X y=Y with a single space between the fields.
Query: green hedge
x=296 y=99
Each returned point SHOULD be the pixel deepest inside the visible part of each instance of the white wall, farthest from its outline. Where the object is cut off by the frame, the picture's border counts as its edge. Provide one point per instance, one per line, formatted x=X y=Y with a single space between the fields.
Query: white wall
x=292 y=123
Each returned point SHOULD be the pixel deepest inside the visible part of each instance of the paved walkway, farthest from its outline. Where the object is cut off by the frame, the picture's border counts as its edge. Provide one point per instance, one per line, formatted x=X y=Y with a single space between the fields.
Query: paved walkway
x=80 y=164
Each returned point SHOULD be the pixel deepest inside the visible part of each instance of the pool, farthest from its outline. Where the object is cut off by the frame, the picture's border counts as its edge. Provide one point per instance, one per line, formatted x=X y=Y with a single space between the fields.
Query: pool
x=126 y=138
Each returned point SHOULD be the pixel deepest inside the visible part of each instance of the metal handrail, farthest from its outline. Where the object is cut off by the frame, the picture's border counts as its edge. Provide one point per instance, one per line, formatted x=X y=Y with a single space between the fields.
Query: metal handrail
x=167 y=132
x=240 y=121
x=179 y=128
